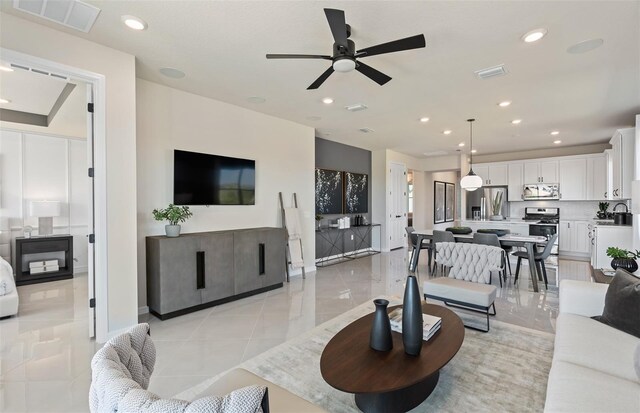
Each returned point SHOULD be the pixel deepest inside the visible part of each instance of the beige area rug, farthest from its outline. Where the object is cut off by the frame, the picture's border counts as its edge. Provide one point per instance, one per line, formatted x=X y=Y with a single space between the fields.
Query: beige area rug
x=505 y=370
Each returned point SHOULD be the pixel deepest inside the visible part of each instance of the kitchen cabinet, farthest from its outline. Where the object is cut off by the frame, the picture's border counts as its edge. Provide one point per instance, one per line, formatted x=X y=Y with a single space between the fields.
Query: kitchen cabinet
x=541 y=171
x=574 y=237
x=572 y=179
x=515 y=181
x=597 y=175
x=622 y=163
x=492 y=174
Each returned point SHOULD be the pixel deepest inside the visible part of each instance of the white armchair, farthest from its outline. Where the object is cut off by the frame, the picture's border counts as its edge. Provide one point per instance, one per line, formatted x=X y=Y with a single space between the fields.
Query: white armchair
x=8 y=292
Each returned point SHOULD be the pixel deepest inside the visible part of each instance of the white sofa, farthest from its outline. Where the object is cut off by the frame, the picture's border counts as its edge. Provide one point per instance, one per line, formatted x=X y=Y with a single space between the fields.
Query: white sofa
x=592 y=368
x=8 y=291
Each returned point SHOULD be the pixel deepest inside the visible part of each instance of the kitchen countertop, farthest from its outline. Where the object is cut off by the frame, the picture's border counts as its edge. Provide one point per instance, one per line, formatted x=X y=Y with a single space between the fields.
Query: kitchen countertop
x=504 y=221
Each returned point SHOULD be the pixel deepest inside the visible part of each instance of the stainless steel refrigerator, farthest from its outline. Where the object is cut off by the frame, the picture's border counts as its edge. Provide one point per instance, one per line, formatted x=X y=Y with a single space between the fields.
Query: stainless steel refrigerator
x=480 y=203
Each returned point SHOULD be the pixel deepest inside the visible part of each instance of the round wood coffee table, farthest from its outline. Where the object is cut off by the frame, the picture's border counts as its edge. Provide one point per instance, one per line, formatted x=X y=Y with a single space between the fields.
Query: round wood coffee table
x=390 y=381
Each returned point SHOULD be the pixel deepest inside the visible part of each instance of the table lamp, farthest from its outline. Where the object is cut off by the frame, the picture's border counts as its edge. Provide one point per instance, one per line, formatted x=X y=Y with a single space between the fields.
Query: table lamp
x=45 y=211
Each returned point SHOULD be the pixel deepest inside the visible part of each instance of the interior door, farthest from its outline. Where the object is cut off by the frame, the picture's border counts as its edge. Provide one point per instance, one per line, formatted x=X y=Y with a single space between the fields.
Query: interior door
x=398 y=202
x=91 y=276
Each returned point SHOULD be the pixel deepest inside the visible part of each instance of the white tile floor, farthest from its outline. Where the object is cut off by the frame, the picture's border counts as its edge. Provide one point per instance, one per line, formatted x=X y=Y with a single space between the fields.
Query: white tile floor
x=45 y=353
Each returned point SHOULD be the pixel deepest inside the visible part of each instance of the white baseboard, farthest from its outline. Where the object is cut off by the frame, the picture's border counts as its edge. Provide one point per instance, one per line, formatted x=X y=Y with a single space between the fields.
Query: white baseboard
x=143 y=310
x=79 y=269
x=298 y=271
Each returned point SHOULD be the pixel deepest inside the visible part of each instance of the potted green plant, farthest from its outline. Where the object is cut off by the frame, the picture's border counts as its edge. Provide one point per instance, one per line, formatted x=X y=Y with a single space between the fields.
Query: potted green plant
x=175 y=215
x=318 y=221
x=624 y=259
x=602 y=210
x=496 y=207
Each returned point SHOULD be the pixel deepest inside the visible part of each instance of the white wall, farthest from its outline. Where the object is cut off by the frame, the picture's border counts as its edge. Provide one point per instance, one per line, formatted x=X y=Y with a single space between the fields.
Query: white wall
x=118 y=70
x=41 y=167
x=284 y=152
x=430 y=177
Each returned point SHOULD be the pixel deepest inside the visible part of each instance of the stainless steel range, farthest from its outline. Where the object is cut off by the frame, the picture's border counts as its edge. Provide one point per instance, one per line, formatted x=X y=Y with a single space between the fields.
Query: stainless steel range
x=543 y=222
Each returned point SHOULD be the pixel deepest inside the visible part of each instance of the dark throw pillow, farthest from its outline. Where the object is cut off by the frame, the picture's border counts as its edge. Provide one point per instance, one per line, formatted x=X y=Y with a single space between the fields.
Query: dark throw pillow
x=622 y=304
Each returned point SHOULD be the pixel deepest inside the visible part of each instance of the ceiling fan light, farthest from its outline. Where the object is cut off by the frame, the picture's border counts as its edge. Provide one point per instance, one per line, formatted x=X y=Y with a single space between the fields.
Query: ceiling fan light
x=471 y=181
x=344 y=65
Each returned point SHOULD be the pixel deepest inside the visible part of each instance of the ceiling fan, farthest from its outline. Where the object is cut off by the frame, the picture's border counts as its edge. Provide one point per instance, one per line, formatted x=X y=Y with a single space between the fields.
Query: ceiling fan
x=345 y=54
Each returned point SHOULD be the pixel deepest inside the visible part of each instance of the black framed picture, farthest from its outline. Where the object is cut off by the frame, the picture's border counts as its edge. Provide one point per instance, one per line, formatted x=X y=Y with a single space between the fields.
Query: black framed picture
x=356 y=193
x=450 y=202
x=439 y=194
x=329 y=191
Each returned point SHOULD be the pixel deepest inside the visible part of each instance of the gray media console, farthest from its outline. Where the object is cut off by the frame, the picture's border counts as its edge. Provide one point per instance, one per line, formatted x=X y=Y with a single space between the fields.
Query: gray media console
x=200 y=270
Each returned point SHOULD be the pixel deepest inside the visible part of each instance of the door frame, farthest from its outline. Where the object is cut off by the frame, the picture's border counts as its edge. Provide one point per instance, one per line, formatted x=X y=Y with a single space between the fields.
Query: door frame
x=98 y=84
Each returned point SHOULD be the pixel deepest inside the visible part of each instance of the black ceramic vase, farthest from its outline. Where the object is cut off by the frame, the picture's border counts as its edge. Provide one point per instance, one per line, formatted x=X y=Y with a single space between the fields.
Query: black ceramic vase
x=380 y=338
x=412 y=318
x=628 y=264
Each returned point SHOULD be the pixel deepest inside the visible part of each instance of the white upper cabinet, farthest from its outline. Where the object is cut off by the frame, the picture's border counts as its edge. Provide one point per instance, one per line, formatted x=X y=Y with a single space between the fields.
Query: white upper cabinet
x=483 y=172
x=541 y=172
x=597 y=178
x=622 y=163
x=492 y=174
x=515 y=181
x=549 y=172
x=572 y=179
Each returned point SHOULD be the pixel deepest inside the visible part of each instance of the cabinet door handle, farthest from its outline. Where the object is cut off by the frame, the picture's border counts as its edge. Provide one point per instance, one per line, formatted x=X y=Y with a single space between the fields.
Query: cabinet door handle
x=605 y=195
x=200 y=270
x=261 y=259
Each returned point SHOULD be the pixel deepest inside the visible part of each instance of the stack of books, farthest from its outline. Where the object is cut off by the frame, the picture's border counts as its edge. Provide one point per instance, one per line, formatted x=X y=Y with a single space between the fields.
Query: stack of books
x=430 y=324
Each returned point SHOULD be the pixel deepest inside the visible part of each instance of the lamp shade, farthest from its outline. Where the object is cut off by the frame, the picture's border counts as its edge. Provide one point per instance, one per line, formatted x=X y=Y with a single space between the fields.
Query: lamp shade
x=471 y=182
x=44 y=208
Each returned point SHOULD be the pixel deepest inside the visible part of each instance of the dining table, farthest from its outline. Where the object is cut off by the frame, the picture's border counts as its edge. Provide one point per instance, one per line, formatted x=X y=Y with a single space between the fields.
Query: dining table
x=528 y=242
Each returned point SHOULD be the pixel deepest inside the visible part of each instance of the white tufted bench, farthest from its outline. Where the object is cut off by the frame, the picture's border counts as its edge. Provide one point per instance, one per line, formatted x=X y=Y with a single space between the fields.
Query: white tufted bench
x=468 y=284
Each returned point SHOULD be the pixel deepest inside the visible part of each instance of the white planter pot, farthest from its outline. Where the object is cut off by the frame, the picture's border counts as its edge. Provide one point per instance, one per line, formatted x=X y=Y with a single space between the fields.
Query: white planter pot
x=172 y=231
x=496 y=218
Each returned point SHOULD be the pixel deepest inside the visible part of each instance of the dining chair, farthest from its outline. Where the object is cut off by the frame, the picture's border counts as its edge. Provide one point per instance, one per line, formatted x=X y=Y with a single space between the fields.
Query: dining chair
x=508 y=249
x=493 y=241
x=539 y=258
x=425 y=245
x=440 y=236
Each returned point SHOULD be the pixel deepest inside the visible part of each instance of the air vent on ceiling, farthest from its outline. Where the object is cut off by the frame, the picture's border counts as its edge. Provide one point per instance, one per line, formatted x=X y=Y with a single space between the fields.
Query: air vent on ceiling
x=366 y=130
x=356 y=108
x=39 y=71
x=435 y=153
x=491 y=72
x=71 y=13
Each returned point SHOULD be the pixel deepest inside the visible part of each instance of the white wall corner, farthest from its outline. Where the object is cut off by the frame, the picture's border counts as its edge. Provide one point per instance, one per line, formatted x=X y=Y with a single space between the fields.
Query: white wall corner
x=143 y=310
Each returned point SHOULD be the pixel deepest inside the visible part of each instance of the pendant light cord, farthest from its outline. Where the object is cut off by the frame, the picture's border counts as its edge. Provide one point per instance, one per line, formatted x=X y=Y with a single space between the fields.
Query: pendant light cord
x=471 y=143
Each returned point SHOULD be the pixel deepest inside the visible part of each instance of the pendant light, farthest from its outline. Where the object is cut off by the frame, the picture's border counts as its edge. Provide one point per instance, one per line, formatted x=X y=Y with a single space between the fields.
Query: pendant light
x=471 y=181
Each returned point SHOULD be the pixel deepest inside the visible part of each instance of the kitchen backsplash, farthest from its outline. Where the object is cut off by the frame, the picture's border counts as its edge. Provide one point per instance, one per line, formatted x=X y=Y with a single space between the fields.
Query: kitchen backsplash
x=569 y=210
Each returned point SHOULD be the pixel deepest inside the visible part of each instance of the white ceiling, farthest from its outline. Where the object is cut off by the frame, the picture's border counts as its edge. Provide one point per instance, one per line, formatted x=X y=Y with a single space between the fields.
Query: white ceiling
x=37 y=93
x=220 y=45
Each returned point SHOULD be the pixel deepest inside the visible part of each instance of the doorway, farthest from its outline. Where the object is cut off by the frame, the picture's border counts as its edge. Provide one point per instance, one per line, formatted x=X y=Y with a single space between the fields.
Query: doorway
x=91 y=239
x=398 y=205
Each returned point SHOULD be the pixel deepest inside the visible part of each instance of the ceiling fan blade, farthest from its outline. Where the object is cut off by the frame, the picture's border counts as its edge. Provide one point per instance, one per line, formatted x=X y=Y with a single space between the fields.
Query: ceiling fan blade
x=373 y=74
x=321 y=79
x=298 y=56
x=338 y=26
x=413 y=42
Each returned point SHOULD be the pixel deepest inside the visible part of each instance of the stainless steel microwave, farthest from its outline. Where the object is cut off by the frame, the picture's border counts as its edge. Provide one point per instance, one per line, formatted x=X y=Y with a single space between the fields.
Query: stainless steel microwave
x=540 y=191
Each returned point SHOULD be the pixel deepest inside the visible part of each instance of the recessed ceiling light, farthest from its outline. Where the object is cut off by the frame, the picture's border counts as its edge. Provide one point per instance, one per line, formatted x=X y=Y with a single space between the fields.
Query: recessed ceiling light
x=557 y=142
x=447 y=132
x=473 y=151
x=461 y=144
x=585 y=46
x=327 y=101
x=6 y=69
x=172 y=73
x=5 y=101
x=134 y=22
x=504 y=104
x=516 y=121
x=554 y=133
x=534 y=35
x=424 y=120
x=256 y=99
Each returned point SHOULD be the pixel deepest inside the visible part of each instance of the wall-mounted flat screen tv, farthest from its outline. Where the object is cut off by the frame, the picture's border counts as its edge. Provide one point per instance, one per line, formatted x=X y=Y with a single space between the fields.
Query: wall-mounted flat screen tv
x=203 y=179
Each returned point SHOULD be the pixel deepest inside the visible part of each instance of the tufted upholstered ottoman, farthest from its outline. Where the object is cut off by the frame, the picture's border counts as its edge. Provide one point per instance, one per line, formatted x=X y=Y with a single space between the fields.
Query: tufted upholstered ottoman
x=469 y=283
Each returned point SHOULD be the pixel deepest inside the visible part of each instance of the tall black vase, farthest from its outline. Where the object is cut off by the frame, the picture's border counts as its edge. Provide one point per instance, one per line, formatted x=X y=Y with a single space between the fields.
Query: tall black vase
x=412 y=318
x=380 y=338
